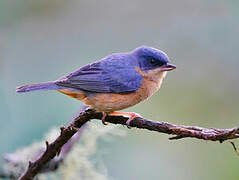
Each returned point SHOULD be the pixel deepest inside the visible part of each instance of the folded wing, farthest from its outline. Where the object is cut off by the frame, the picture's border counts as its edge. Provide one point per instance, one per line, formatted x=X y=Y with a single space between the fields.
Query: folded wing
x=103 y=77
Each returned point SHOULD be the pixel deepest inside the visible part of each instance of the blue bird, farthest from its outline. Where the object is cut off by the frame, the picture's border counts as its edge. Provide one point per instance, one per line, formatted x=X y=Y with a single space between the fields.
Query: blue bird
x=116 y=82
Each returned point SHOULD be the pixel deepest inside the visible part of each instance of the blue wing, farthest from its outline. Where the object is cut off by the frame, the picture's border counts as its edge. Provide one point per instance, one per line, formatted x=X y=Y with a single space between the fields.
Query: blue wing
x=115 y=74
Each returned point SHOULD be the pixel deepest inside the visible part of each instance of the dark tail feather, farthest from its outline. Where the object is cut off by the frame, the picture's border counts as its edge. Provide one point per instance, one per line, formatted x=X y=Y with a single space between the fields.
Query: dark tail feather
x=36 y=87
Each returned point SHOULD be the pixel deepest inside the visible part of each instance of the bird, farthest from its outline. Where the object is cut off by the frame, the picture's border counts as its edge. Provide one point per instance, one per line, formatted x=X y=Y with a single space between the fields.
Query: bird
x=115 y=82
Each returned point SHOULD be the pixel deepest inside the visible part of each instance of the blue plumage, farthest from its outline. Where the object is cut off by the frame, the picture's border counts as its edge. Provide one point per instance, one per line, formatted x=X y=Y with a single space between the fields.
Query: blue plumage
x=37 y=87
x=115 y=73
x=150 y=58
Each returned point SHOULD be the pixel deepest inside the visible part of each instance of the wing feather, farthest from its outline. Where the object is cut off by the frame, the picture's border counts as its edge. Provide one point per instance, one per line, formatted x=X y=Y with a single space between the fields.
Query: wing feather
x=103 y=77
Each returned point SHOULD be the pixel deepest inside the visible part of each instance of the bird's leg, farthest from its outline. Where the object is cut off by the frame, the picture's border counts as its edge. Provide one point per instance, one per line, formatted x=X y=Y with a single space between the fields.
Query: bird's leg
x=130 y=115
x=103 y=118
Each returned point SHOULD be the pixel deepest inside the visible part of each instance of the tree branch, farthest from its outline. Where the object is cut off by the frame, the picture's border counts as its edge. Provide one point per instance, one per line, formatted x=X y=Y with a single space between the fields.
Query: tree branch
x=86 y=114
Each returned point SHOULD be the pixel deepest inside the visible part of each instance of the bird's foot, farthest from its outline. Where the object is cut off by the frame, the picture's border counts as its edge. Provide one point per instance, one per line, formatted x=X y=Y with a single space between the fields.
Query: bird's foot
x=103 y=118
x=130 y=115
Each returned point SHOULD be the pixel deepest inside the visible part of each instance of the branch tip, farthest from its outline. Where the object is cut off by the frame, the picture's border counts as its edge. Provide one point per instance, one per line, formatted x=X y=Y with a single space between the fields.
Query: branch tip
x=234 y=147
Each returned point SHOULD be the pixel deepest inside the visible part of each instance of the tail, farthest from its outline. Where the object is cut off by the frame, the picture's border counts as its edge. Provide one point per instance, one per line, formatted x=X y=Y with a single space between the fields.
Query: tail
x=36 y=87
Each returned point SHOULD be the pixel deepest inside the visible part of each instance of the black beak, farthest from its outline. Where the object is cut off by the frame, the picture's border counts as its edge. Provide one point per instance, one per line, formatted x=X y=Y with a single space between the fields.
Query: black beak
x=168 y=67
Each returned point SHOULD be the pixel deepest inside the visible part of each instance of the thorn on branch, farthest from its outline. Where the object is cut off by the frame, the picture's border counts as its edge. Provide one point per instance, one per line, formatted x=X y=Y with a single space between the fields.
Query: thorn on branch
x=62 y=128
x=75 y=128
x=47 y=145
x=58 y=153
x=221 y=140
x=176 y=137
x=30 y=164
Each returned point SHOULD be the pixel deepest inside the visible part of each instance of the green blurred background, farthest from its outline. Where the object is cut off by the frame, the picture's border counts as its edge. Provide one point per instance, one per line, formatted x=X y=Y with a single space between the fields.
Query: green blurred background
x=44 y=40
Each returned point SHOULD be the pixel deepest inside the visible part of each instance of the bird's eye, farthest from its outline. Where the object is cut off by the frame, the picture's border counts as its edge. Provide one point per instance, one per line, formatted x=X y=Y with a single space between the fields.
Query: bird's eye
x=153 y=61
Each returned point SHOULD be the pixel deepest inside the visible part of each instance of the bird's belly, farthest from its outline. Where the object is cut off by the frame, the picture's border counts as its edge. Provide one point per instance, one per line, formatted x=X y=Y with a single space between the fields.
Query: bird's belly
x=109 y=102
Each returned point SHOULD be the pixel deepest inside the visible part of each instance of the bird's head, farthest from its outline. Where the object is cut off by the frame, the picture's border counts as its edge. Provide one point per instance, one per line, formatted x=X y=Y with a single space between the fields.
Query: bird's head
x=152 y=59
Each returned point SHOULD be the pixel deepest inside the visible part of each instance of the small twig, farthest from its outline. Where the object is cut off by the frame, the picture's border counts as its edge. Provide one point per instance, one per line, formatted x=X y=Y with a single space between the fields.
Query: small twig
x=87 y=114
x=234 y=147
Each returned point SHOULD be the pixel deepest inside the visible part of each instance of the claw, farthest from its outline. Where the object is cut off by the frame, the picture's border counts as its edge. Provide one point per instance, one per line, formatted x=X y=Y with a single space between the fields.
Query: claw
x=130 y=115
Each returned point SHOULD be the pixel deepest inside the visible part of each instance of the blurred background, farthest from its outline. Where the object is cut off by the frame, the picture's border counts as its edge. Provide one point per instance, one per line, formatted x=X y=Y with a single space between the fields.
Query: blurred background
x=44 y=40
